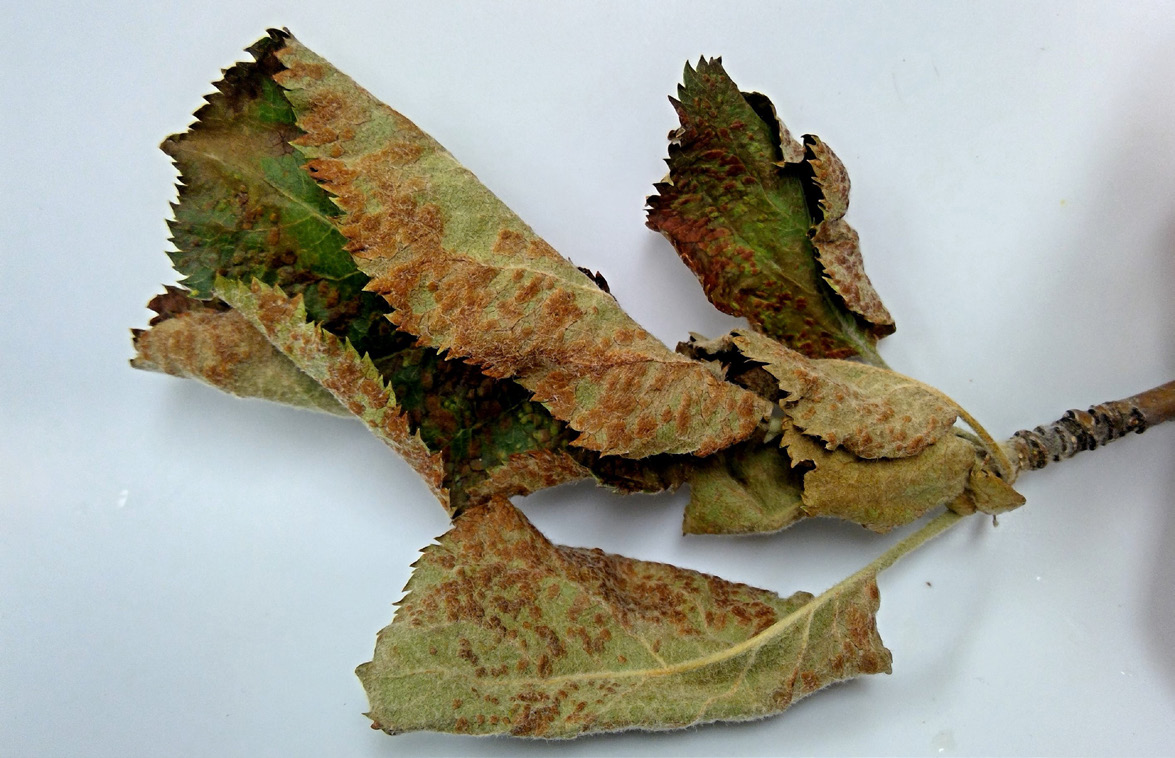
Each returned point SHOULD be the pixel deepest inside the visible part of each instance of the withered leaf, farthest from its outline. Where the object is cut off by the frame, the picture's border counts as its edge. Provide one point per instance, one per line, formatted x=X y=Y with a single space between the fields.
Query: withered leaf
x=470 y=279
x=208 y=341
x=879 y=494
x=502 y=632
x=759 y=221
x=870 y=411
x=837 y=244
x=750 y=487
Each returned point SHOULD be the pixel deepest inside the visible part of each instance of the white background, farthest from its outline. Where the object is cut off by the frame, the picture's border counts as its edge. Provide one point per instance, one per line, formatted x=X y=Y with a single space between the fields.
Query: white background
x=183 y=573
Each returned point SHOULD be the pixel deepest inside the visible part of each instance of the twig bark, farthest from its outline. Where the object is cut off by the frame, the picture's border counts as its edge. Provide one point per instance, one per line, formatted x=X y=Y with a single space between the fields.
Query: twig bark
x=1089 y=429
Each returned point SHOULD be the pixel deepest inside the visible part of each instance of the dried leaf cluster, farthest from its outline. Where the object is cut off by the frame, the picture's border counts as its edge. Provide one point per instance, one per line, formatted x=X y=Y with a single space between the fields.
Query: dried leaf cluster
x=336 y=258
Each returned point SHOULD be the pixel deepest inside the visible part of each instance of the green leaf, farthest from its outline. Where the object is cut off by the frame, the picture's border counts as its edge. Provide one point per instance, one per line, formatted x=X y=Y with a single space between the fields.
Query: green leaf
x=758 y=220
x=870 y=411
x=208 y=341
x=501 y=632
x=468 y=278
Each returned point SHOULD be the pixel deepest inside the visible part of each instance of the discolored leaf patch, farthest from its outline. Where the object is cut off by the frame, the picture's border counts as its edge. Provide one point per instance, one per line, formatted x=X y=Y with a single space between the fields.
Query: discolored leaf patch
x=249 y=210
x=758 y=219
x=501 y=632
x=987 y=493
x=469 y=279
x=354 y=381
x=870 y=411
x=879 y=494
x=207 y=341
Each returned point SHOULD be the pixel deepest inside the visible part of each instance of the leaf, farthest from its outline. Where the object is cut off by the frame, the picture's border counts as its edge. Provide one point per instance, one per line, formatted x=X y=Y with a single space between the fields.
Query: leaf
x=870 y=411
x=880 y=494
x=502 y=632
x=247 y=209
x=837 y=244
x=353 y=380
x=748 y=488
x=471 y=280
x=209 y=342
x=761 y=226
x=987 y=493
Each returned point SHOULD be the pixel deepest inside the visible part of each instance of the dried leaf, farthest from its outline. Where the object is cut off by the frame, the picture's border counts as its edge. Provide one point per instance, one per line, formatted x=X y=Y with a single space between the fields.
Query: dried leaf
x=470 y=279
x=502 y=632
x=870 y=411
x=216 y=345
x=742 y=210
x=880 y=494
x=750 y=487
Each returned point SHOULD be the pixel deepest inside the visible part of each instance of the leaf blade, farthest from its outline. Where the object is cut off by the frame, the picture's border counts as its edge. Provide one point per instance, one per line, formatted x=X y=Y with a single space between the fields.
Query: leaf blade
x=461 y=656
x=757 y=219
x=470 y=279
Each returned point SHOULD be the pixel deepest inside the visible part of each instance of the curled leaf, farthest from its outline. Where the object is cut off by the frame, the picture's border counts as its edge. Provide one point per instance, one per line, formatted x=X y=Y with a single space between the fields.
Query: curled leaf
x=468 y=278
x=353 y=380
x=987 y=493
x=748 y=488
x=837 y=244
x=249 y=210
x=501 y=632
x=758 y=220
x=870 y=411
x=216 y=345
x=880 y=494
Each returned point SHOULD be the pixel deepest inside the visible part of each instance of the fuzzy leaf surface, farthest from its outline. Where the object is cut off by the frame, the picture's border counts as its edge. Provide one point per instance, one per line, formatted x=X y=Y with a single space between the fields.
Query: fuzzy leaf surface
x=468 y=278
x=205 y=340
x=871 y=412
x=742 y=209
x=880 y=494
x=353 y=380
x=248 y=209
x=987 y=493
x=502 y=632
x=748 y=488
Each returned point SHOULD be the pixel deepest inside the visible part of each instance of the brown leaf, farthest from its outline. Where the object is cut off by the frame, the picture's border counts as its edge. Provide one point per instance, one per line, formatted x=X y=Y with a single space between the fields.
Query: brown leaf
x=837 y=244
x=469 y=278
x=987 y=493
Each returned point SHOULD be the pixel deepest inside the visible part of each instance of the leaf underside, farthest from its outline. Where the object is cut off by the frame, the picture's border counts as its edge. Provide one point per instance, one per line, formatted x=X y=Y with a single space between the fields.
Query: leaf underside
x=205 y=340
x=870 y=411
x=501 y=632
x=758 y=218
